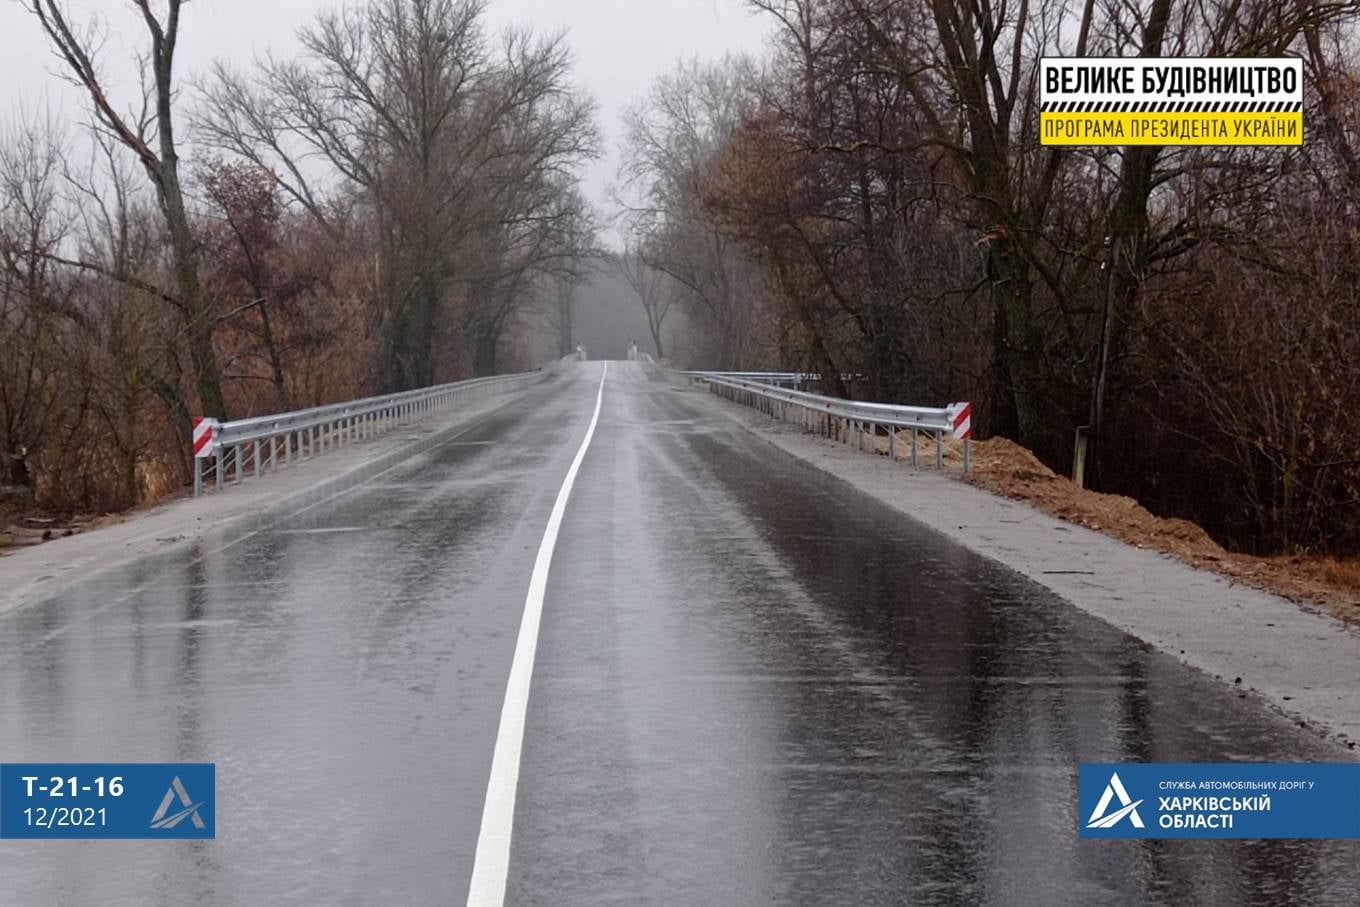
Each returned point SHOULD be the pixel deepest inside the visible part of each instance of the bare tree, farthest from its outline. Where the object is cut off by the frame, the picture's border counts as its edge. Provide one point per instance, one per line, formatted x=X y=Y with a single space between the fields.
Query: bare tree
x=33 y=301
x=245 y=243
x=672 y=138
x=155 y=127
x=650 y=287
x=464 y=148
x=562 y=313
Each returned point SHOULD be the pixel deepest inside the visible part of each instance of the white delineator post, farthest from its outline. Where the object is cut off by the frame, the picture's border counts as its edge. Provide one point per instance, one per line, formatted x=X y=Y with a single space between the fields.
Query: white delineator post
x=961 y=415
x=205 y=432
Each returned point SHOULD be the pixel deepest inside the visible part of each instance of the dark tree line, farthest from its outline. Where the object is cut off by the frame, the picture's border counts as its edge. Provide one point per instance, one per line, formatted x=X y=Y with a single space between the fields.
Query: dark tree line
x=874 y=199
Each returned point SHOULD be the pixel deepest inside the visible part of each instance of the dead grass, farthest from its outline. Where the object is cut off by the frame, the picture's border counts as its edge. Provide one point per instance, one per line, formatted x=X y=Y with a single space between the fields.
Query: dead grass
x=1004 y=467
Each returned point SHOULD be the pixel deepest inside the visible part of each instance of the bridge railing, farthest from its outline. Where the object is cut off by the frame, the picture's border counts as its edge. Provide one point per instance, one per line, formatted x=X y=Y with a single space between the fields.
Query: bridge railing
x=228 y=452
x=795 y=380
x=844 y=420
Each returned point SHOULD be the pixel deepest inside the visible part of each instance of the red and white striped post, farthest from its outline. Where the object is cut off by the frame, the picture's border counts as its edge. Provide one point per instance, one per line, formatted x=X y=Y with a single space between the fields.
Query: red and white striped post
x=205 y=432
x=961 y=416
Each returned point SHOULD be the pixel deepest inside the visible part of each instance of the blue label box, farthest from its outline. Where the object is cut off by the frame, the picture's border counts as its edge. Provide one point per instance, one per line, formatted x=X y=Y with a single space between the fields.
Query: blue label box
x=108 y=800
x=1219 y=800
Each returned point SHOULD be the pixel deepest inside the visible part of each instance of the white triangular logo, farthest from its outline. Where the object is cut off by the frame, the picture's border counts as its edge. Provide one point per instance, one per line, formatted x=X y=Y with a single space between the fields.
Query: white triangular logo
x=1128 y=807
x=165 y=819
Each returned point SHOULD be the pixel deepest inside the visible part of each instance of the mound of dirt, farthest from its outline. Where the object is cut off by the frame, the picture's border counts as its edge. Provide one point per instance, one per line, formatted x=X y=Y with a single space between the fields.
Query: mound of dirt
x=1004 y=467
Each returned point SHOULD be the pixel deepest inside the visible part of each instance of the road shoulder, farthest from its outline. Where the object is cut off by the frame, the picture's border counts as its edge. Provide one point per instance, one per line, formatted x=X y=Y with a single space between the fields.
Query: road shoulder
x=1302 y=662
x=42 y=571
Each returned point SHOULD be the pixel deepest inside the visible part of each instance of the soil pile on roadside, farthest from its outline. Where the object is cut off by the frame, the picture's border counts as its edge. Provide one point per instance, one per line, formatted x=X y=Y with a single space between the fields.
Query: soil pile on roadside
x=1006 y=468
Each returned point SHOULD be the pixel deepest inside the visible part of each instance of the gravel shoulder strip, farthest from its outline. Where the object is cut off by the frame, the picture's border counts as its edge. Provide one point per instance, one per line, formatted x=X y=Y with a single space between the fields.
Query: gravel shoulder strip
x=1303 y=662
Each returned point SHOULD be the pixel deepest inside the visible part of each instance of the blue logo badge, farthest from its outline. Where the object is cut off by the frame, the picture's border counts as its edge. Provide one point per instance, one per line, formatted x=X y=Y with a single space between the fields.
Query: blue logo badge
x=1219 y=800
x=100 y=800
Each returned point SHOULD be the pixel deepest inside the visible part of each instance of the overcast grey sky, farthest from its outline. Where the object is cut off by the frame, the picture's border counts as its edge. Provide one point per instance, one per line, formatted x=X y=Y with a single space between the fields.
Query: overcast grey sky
x=620 y=45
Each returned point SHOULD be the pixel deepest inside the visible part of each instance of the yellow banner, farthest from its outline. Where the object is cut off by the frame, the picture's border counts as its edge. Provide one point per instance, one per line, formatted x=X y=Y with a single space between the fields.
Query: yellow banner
x=1178 y=128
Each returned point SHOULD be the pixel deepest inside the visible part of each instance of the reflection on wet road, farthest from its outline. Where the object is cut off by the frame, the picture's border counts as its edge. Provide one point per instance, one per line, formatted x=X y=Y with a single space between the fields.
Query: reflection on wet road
x=753 y=685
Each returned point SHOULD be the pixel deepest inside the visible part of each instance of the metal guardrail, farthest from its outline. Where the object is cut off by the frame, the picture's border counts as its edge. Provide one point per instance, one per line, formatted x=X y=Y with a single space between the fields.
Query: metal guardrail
x=840 y=419
x=268 y=442
x=779 y=379
x=795 y=380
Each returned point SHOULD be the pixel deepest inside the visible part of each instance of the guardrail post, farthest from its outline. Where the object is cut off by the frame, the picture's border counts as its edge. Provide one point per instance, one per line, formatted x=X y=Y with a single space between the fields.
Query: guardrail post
x=915 y=447
x=939 y=449
x=892 y=443
x=967 y=454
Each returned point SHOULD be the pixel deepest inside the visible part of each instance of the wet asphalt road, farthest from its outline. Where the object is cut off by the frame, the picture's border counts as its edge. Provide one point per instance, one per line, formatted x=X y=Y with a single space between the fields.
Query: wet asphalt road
x=753 y=685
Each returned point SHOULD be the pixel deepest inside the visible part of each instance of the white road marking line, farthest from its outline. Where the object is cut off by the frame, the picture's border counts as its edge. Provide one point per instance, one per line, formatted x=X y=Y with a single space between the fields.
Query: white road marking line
x=491 y=864
x=323 y=530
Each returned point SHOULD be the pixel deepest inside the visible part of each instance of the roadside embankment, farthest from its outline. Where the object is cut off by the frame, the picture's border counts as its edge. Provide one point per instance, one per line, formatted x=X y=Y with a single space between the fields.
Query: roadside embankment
x=1006 y=468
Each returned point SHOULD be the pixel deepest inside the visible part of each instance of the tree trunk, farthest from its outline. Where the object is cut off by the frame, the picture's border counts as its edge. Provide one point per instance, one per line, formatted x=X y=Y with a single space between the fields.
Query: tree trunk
x=1015 y=344
x=275 y=360
x=408 y=342
x=656 y=339
x=198 y=321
